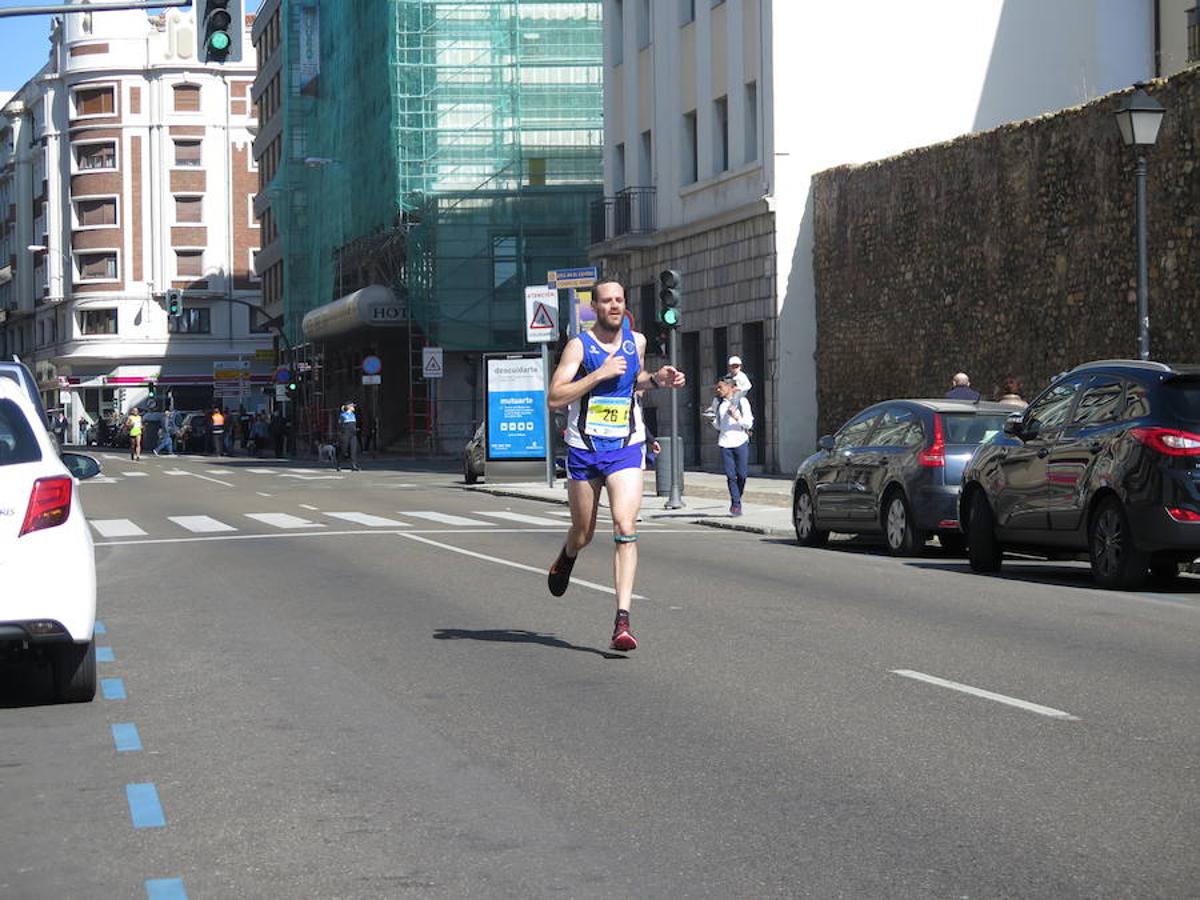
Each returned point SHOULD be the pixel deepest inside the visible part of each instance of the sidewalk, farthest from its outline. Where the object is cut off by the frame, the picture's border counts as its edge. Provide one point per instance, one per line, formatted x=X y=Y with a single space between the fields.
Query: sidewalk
x=766 y=505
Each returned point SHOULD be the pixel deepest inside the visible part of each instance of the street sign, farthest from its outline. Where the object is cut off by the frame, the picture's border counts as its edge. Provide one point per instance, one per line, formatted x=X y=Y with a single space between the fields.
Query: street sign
x=583 y=277
x=283 y=375
x=281 y=392
x=431 y=362
x=372 y=365
x=541 y=314
x=265 y=354
x=372 y=379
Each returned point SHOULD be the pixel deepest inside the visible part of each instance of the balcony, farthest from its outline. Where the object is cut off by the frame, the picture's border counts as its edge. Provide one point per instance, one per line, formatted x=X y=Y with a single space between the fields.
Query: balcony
x=630 y=211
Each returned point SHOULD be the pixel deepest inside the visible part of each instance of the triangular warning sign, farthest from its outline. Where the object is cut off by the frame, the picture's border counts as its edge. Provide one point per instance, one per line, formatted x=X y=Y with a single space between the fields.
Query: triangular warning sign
x=433 y=365
x=542 y=318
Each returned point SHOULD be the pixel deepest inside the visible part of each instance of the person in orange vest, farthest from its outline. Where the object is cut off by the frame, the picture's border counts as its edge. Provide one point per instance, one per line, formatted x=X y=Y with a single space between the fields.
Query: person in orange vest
x=218 y=430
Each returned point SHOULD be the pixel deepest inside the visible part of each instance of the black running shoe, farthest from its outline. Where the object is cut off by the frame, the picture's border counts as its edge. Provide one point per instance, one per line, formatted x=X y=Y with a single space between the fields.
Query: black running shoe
x=560 y=573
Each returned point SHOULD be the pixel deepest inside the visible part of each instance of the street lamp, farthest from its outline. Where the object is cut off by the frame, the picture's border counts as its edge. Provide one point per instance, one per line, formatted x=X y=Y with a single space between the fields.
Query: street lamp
x=1138 y=118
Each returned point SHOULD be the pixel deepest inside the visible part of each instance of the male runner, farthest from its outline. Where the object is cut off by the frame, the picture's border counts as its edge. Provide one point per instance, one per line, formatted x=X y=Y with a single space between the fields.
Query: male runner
x=596 y=379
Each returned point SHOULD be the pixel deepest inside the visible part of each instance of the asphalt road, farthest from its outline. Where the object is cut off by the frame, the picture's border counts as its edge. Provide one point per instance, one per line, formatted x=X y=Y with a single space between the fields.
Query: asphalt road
x=337 y=706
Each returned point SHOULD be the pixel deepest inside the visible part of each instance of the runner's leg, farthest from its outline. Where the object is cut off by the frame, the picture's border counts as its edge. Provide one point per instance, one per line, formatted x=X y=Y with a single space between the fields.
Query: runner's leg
x=584 y=500
x=625 y=502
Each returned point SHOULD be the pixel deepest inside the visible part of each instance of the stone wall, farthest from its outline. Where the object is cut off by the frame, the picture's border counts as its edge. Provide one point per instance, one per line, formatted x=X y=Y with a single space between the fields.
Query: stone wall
x=1006 y=253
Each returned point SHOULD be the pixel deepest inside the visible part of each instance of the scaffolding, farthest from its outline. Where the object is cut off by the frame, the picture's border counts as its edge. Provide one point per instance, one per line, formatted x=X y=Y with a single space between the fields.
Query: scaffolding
x=468 y=131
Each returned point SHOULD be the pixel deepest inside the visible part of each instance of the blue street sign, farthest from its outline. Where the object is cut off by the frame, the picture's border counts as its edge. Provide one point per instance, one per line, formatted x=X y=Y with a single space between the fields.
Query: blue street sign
x=283 y=375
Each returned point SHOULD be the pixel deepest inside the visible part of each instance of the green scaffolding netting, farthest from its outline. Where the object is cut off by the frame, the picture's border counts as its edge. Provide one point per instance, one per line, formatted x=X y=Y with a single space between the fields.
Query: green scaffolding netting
x=450 y=149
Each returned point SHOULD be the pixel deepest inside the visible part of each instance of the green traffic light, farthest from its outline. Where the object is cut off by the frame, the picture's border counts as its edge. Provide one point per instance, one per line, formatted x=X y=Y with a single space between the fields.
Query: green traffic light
x=670 y=317
x=218 y=41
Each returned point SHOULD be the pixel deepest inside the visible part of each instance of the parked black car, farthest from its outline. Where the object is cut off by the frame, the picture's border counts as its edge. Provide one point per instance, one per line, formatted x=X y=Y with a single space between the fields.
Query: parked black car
x=1105 y=461
x=194 y=434
x=894 y=468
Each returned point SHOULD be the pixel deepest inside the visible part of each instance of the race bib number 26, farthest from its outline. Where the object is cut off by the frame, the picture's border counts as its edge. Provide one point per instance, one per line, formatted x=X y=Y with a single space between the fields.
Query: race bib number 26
x=608 y=416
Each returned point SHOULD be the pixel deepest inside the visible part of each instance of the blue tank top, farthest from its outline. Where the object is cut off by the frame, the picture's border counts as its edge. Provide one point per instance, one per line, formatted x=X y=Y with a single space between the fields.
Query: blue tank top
x=607 y=417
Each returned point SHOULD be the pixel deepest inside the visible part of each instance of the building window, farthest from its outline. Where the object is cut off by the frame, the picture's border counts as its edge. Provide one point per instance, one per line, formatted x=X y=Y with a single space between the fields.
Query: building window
x=94 y=101
x=187 y=153
x=751 y=121
x=687 y=12
x=646 y=159
x=643 y=24
x=96 y=212
x=616 y=35
x=720 y=134
x=1193 y=34
x=258 y=322
x=97 y=266
x=98 y=321
x=689 y=147
x=189 y=209
x=193 y=320
x=187 y=98
x=95 y=156
x=618 y=175
x=189 y=263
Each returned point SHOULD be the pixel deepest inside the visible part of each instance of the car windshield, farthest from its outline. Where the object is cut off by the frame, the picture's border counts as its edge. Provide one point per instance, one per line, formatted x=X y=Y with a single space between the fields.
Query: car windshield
x=1182 y=397
x=17 y=443
x=969 y=428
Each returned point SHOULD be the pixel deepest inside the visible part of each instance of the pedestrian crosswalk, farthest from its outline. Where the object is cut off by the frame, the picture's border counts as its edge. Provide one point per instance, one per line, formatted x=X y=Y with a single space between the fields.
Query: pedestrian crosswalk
x=315 y=519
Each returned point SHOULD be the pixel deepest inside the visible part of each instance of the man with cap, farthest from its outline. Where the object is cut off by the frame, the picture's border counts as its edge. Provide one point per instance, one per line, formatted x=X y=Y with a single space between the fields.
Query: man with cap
x=347 y=436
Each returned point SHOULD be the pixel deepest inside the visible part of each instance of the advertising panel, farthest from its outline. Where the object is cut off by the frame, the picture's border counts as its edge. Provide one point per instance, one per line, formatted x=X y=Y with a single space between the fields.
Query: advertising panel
x=516 y=407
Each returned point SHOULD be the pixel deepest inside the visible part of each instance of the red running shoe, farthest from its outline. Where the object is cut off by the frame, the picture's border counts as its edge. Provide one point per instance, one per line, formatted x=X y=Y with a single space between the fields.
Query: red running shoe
x=623 y=638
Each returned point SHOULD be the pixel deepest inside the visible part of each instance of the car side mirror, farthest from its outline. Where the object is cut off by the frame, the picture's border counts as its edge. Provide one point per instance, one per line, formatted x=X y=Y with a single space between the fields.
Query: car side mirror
x=826 y=442
x=81 y=466
x=1030 y=430
x=1012 y=426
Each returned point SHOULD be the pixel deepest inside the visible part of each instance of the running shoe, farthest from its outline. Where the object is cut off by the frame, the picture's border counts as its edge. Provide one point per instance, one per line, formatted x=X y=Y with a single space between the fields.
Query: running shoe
x=559 y=576
x=735 y=510
x=623 y=638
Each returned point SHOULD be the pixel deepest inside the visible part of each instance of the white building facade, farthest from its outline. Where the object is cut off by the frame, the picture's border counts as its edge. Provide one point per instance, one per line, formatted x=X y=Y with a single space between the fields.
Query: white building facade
x=719 y=112
x=125 y=172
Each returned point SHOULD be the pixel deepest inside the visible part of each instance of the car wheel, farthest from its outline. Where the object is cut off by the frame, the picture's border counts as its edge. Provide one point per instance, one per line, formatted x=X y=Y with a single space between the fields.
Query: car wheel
x=1117 y=563
x=899 y=529
x=983 y=550
x=74 y=672
x=804 y=518
x=469 y=475
x=953 y=543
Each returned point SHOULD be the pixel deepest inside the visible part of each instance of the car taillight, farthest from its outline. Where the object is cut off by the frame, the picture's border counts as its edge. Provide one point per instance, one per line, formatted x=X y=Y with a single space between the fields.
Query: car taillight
x=1170 y=441
x=49 y=504
x=934 y=455
x=1183 y=515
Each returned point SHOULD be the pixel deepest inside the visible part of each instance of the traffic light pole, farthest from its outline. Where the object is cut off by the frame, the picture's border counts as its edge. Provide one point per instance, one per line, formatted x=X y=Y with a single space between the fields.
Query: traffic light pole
x=675 y=501
x=95 y=6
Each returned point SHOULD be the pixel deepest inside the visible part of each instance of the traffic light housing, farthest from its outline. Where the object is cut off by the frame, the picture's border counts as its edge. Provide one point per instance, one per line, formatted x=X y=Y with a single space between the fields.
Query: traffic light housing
x=219 y=25
x=670 y=289
x=174 y=303
x=151 y=390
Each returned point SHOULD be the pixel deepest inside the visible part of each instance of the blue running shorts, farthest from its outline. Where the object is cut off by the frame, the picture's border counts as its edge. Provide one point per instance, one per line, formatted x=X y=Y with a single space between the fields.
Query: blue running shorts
x=585 y=465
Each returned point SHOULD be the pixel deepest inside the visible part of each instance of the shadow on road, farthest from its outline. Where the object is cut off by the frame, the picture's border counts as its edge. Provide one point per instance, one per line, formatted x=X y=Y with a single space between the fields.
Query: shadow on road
x=1059 y=574
x=515 y=636
x=25 y=683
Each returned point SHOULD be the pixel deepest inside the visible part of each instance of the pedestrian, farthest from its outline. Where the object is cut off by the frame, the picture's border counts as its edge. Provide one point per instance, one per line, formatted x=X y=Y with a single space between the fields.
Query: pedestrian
x=1011 y=395
x=737 y=376
x=217 y=420
x=960 y=389
x=166 y=434
x=596 y=379
x=278 y=430
x=734 y=420
x=134 y=423
x=347 y=436
x=260 y=434
x=83 y=431
x=59 y=428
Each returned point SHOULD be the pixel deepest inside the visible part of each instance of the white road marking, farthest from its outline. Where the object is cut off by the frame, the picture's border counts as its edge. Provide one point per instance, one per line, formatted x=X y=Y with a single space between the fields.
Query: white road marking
x=206 y=478
x=116 y=528
x=520 y=517
x=604 y=588
x=306 y=471
x=310 y=477
x=359 y=532
x=306 y=506
x=988 y=695
x=201 y=524
x=220 y=471
x=261 y=471
x=283 y=520
x=175 y=472
x=135 y=474
x=262 y=494
x=102 y=479
x=443 y=518
x=364 y=519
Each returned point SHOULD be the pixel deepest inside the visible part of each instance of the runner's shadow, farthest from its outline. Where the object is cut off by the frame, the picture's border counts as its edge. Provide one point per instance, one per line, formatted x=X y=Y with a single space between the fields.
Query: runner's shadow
x=516 y=636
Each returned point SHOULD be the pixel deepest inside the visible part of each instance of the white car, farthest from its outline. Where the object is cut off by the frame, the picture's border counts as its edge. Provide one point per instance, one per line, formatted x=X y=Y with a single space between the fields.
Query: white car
x=47 y=561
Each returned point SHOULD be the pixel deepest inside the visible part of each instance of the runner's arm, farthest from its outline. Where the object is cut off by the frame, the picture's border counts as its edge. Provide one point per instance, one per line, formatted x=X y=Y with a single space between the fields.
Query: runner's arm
x=667 y=376
x=564 y=389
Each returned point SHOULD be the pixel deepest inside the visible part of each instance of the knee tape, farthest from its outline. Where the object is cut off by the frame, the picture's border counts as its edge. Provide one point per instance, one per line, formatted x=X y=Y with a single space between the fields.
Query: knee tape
x=625 y=538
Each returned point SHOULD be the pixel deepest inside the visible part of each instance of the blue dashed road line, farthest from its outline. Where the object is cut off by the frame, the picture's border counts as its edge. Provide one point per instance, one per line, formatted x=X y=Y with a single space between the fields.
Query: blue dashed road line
x=126 y=737
x=105 y=654
x=100 y=628
x=165 y=889
x=112 y=688
x=144 y=808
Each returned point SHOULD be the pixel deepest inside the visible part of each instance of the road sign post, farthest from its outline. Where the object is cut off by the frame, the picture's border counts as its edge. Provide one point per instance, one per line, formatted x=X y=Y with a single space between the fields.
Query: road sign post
x=541 y=327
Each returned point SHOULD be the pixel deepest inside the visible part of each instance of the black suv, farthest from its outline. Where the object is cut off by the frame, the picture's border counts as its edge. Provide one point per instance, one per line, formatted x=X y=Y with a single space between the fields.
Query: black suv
x=1105 y=461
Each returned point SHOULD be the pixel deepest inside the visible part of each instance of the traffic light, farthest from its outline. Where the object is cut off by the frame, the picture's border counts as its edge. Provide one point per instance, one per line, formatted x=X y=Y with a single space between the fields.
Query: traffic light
x=174 y=303
x=670 y=289
x=219 y=26
x=151 y=390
